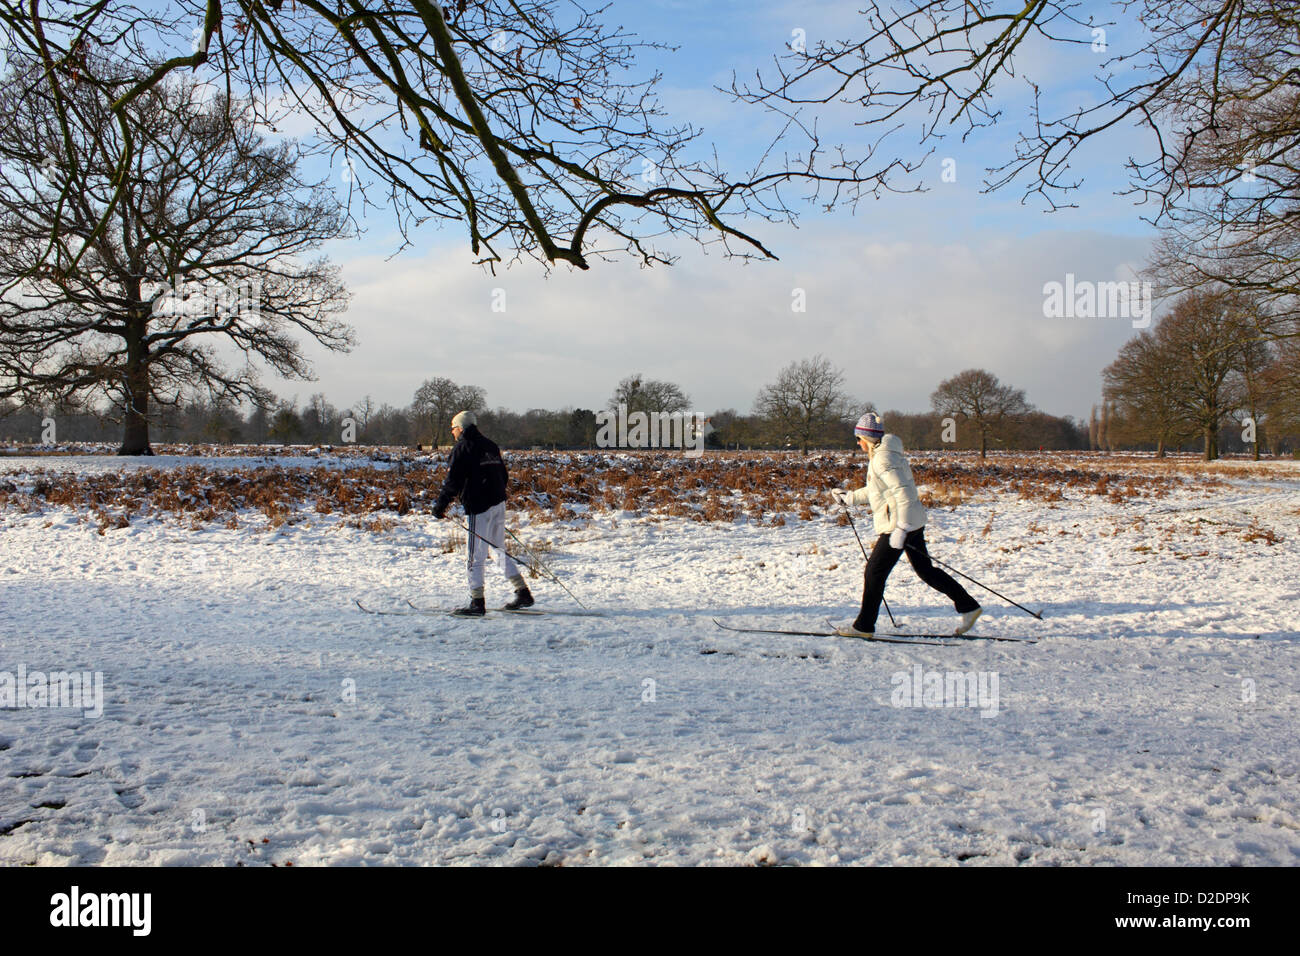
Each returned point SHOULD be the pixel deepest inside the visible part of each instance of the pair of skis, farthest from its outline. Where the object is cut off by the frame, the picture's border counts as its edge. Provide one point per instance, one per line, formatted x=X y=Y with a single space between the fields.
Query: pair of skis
x=412 y=610
x=888 y=637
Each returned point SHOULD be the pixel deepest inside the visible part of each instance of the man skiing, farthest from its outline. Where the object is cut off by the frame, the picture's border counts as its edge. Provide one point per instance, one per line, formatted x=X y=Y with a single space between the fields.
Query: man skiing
x=899 y=519
x=477 y=474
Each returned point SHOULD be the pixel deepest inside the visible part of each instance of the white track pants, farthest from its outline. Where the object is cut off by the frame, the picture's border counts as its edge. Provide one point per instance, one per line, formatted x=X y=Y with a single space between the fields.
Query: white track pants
x=490 y=525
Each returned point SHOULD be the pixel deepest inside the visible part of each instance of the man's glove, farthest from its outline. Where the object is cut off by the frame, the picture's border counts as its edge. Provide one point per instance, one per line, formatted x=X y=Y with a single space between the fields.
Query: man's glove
x=841 y=497
x=898 y=538
x=440 y=511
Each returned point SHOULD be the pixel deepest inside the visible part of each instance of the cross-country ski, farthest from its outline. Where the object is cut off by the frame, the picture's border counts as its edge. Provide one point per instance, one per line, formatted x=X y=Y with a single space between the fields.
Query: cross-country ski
x=884 y=636
x=525 y=611
x=410 y=610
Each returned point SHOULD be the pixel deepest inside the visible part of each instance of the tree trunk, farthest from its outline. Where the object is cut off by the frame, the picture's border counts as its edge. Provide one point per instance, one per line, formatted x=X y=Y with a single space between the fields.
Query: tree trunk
x=1160 y=448
x=135 y=441
x=1211 y=452
x=984 y=441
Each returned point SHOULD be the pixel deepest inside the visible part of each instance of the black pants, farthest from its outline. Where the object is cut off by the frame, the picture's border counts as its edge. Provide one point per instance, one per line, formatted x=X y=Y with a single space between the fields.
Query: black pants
x=882 y=561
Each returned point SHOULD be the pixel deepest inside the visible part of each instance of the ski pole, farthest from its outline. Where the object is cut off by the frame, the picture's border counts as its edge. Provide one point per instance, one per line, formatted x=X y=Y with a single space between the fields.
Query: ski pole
x=515 y=558
x=866 y=558
x=537 y=562
x=1038 y=615
x=542 y=564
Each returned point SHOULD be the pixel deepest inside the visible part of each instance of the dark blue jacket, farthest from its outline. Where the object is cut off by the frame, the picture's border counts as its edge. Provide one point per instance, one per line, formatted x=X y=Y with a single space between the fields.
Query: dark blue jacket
x=476 y=473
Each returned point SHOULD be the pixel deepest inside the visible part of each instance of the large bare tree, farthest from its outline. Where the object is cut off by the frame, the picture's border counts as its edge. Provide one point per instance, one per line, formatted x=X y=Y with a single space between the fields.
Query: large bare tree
x=1144 y=383
x=805 y=404
x=1206 y=332
x=438 y=399
x=1187 y=376
x=529 y=122
x=140 y=275
x=1282 y=381
x=978 y=397
x=640 y=394
x=1253 y=386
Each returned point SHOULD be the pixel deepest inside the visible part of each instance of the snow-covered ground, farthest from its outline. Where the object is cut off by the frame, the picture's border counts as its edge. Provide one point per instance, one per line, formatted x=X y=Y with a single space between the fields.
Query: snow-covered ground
x=253 y=714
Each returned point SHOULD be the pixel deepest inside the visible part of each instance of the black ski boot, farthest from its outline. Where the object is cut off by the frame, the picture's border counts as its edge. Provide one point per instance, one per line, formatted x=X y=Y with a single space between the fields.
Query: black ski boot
x=476 y=608
x=523 y=599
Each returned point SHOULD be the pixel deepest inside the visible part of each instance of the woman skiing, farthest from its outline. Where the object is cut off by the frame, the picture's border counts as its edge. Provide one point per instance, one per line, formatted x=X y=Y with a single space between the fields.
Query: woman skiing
x=899 y=519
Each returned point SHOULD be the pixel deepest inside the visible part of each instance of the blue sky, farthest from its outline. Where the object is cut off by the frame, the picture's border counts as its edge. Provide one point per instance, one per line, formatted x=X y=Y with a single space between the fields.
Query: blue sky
x=909 y=290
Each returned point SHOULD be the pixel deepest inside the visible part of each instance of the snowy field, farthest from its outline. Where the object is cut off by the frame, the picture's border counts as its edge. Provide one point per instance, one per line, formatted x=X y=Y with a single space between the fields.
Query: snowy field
x=252 y=714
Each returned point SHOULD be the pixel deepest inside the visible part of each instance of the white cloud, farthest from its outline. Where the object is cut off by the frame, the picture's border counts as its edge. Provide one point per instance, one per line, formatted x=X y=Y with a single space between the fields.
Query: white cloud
x=897 y=315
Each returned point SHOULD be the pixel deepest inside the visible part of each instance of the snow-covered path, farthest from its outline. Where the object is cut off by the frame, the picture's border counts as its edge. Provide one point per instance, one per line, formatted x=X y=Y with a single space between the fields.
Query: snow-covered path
x=253 y=714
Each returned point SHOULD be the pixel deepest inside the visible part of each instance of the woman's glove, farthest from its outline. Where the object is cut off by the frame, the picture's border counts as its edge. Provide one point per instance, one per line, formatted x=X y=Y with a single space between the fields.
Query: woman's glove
x=898 y=538
x=841 y=497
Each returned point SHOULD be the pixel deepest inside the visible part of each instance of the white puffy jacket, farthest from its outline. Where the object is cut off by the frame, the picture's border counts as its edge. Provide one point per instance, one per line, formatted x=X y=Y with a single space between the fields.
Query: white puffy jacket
x=890 y=490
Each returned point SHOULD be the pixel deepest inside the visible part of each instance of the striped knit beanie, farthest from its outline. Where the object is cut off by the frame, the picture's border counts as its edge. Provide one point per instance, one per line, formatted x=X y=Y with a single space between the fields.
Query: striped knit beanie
x=869 y=427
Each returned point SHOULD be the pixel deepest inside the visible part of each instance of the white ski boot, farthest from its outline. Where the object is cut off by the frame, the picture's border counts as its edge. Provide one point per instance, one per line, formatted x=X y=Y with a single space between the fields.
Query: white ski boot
x=968 y=620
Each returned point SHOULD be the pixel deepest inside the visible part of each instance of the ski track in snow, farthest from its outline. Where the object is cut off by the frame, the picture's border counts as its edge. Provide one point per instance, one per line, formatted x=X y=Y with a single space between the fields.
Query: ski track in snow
x=1122 y=738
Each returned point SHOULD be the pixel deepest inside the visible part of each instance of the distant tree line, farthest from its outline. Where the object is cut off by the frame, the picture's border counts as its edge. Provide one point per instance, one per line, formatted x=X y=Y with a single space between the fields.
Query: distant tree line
x=804 y=408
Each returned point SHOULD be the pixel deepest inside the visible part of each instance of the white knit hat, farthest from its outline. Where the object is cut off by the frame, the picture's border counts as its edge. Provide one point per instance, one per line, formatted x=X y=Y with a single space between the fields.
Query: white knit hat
x=464 y=418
